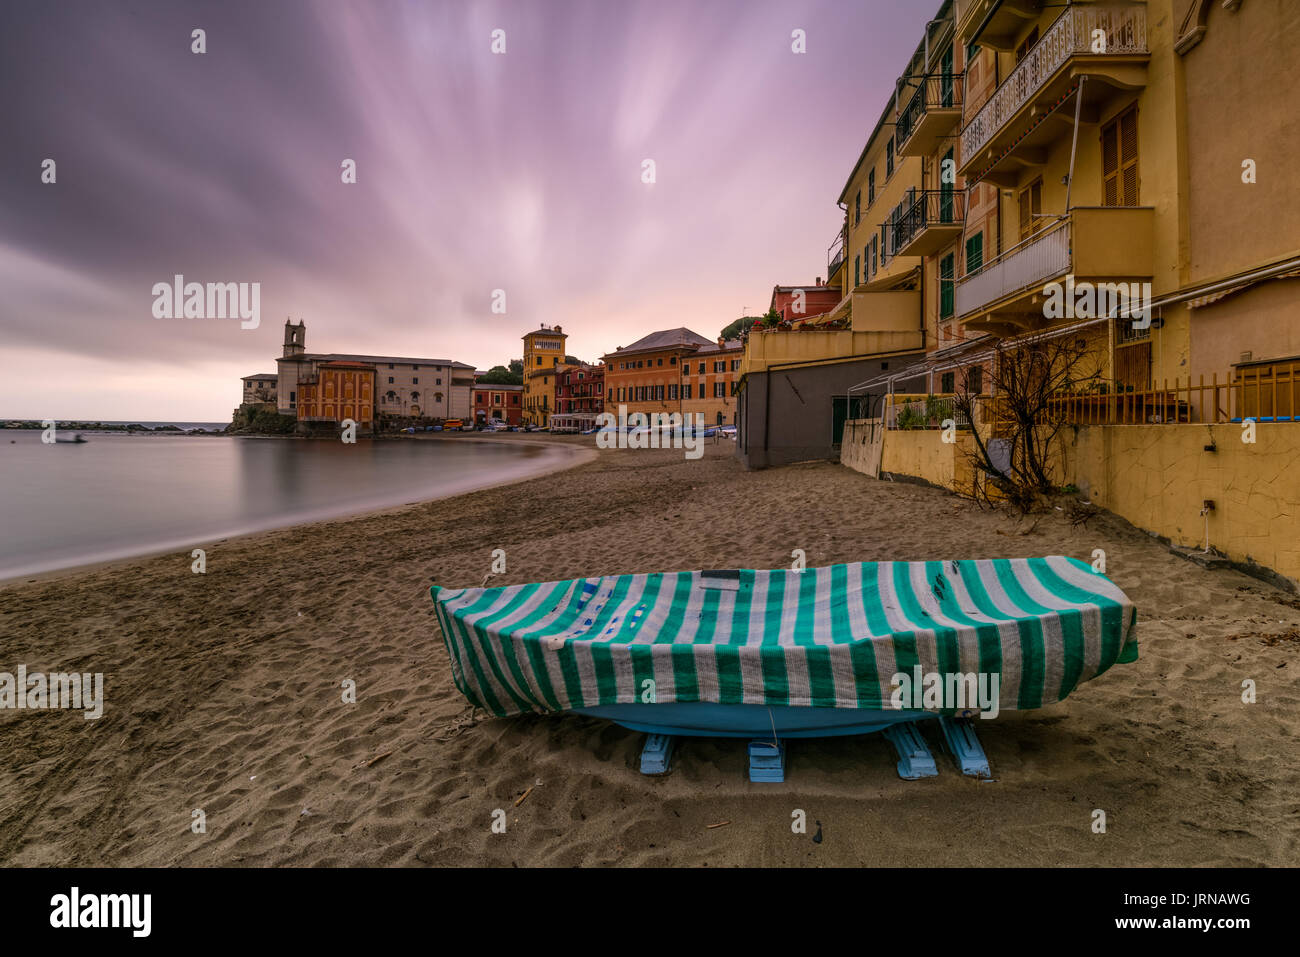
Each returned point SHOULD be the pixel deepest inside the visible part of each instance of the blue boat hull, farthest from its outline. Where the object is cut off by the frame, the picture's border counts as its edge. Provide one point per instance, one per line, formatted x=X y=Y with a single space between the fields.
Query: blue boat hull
x=705 y=720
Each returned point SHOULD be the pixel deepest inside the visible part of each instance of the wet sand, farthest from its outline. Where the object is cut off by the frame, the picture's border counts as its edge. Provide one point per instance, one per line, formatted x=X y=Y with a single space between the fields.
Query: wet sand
x=224 y=694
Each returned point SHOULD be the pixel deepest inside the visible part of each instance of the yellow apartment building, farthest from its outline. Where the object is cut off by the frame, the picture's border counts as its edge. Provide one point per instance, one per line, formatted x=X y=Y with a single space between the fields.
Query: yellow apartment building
x=543 y=354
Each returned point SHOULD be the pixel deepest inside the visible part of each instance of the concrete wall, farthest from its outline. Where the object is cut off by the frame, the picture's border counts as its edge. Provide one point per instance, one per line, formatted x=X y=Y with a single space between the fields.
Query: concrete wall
x=1157 y=476
x=786 y=414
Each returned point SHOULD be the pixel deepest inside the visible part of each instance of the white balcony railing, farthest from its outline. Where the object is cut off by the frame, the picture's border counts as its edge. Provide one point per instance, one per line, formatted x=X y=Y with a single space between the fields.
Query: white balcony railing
x=1039 y=258
x=1072 y=34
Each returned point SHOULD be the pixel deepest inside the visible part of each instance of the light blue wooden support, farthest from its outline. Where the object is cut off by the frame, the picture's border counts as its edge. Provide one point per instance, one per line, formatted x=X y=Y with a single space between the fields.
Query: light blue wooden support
x=657 y=753
x=959 y=735
x=914 y=757
x=767 y=761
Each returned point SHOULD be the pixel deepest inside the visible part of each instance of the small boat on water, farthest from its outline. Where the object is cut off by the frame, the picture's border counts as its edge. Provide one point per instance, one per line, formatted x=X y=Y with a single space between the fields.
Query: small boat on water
x=845 y=649
x=75 y=440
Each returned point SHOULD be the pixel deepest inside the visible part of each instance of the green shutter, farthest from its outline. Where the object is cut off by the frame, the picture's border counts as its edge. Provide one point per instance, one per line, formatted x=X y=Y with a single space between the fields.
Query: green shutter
x=946 y=286
x=975 y=253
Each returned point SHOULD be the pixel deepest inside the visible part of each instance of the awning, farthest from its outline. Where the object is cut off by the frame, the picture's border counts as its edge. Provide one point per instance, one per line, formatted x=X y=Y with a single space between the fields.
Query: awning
x=1239 y=287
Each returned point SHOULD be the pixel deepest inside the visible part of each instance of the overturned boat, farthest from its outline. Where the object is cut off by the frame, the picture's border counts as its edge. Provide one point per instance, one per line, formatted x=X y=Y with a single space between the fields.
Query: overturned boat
x=844 y=649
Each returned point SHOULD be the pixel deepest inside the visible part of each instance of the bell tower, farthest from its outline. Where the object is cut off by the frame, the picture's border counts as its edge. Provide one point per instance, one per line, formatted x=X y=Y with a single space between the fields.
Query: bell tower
x=295 y=338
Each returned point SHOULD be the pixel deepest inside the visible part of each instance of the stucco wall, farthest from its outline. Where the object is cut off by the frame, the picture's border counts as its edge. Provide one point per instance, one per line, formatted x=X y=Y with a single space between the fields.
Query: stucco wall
x=1158 y=476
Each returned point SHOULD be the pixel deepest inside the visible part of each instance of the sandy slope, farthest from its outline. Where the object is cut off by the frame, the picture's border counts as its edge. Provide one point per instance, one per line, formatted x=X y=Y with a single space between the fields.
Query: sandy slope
x=224 y=694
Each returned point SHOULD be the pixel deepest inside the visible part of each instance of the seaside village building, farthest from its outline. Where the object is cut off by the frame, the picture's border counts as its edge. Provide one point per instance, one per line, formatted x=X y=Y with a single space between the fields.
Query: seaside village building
x=260 y=389
x=675 y=371
x=579 y=397
x=1112 y=175
x=319 y=389
x=543 y=353
x=495 y=401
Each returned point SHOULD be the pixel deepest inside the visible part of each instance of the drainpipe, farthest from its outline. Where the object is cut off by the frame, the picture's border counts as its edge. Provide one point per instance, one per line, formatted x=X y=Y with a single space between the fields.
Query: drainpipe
x=1074 y=143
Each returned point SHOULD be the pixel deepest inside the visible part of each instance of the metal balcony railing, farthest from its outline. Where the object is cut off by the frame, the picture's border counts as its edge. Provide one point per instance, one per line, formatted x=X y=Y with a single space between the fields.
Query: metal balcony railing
x=936 y=91
x=929 y=208
x=1070 y=35
x=835 y=252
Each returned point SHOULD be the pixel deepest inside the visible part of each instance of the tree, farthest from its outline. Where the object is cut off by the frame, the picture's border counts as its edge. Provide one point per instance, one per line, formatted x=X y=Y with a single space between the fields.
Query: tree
x=1027 y=374
x=734 y=329
x=500 y=375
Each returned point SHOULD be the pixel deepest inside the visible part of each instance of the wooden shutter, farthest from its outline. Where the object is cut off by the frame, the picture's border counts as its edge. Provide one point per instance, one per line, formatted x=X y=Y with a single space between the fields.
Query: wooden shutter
x=1119 y=160
x=1031 y=204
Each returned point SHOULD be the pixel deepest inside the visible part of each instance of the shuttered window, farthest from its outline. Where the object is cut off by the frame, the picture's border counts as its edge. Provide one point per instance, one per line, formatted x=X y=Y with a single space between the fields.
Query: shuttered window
x=1119 y=160
x=945 y=286
x=1031 y=204
x=975 y=253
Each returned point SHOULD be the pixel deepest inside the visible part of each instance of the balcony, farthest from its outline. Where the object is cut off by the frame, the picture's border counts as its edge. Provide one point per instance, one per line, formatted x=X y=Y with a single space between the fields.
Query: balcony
x=934 y=219
x=1005 y=296
x=1011 y=131
x=930 y=115
x=835 y=254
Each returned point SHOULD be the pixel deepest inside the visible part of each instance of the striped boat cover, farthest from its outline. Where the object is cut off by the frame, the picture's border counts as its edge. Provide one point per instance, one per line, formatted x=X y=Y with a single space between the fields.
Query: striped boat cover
x=831 y=637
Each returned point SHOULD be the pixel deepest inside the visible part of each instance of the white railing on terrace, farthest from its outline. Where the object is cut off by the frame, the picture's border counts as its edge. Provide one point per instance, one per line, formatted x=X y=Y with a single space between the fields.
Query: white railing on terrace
x=1038 y=258
x=1070 y=35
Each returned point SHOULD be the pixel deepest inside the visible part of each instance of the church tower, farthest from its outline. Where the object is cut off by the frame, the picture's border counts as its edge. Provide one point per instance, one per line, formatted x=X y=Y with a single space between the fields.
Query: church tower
x=295 y=338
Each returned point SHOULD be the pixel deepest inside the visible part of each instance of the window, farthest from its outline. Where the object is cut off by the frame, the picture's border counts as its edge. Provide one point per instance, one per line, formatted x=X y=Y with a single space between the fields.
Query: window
x=719 y=389
x=875 y=246
x=672 y=391
x=857 y=270
x=889 y=158
x=415 y=380
x=735 y=364
x=1119 y=160
x=1023 y=50
x=390 y=365
x=1031 y=206
x=437 y=381
x=857 y=208
x=413 y=368
x=611 y=395
x=672 y=360
x=701 y=368
x=946 y=286
x=975 y=253
x=660 y=362
x=390 y=378
x=719 y=367
x=948 y=383
x=686 y=391
x=539 y=361
x=975 y=379
x=871 y=187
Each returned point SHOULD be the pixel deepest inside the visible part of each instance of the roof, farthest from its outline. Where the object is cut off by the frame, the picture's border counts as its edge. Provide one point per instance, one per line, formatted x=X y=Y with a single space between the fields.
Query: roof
x=731 y=345
x=260 y=375
x=665 y=339
x=376 y=360
x=347 y=365
x=497 y=386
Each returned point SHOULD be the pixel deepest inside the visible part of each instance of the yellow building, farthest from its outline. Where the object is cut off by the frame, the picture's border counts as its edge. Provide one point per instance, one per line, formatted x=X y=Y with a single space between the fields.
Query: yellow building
x=543 y=354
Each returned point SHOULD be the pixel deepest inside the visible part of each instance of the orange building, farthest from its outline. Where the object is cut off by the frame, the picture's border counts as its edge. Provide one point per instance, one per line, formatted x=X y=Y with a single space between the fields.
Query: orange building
x=338 y=391
x=675 y=370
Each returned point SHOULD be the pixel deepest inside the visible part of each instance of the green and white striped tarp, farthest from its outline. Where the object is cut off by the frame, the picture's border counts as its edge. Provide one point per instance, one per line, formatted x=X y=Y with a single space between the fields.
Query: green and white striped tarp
x=829 y=637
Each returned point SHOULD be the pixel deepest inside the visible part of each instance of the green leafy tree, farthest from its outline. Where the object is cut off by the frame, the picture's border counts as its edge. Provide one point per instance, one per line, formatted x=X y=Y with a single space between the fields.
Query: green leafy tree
x=500 y=375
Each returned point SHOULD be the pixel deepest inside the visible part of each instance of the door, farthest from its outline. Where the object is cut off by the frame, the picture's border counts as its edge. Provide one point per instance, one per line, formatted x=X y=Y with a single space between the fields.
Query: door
x=945 y=79
x=839 y=413
x=1133 y=367
x=1119 y=160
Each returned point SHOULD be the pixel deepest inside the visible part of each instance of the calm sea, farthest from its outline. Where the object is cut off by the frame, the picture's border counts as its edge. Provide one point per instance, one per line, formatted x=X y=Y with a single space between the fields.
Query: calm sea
x=120 y=495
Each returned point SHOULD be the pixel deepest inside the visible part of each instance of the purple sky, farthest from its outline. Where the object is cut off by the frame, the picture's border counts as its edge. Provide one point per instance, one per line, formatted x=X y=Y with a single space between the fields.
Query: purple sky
x=476 y=172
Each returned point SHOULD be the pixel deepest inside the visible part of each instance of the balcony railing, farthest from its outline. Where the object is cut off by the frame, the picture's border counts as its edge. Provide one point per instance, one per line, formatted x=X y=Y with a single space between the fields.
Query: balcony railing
x=836 y=252
x=1071 y=35
x=930 y=208
x=1042 y=256
x=938 y=91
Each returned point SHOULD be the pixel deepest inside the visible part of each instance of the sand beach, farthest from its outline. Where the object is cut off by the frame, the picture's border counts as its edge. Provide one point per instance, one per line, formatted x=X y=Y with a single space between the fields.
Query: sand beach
x=223 y=695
